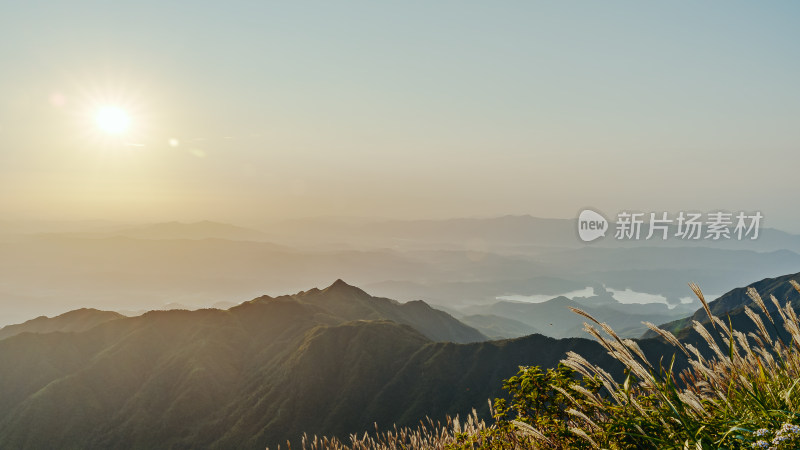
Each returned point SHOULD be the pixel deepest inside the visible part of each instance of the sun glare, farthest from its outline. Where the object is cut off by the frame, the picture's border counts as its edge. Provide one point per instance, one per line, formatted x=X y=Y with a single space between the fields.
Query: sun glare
x=112 y=120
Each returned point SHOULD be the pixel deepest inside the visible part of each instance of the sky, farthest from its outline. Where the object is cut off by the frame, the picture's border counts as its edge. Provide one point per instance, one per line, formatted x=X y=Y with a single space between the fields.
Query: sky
x=247 y=111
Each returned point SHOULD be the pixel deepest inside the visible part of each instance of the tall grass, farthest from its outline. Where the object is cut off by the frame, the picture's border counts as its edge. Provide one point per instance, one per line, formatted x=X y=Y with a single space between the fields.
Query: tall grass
x=743 y=394
x=741 y=390
x=426 y=435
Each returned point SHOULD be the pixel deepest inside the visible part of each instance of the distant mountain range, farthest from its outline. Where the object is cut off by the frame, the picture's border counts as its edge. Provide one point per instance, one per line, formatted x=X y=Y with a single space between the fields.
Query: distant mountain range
x=554 y=318
x=498 y=327
x=514 y=233
x=330 y=361
x=730 y=307
x=452 y=263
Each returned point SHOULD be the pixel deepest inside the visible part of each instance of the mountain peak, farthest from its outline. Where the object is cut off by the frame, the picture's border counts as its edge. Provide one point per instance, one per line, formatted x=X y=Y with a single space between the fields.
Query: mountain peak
x=338 y=290
x=340 y=286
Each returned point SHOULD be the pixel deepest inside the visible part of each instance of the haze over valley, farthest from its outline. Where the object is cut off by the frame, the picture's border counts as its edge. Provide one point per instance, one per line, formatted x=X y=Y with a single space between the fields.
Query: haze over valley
x=488 y=267
x=378 y=225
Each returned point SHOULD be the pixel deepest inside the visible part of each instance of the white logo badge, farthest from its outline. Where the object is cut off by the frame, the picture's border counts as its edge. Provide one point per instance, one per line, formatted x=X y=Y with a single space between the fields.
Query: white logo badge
x=591 y=225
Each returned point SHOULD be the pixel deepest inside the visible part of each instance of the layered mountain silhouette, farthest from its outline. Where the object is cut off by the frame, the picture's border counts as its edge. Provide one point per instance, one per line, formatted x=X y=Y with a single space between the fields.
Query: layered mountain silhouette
x=554 y=318
x=731 y=307
x=519 y=231
x=498 y=327
x=332 y=361
x=449 y=263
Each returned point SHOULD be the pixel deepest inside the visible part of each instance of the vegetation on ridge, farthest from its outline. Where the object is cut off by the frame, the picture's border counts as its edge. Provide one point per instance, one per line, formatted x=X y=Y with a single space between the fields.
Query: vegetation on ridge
x=741 y=391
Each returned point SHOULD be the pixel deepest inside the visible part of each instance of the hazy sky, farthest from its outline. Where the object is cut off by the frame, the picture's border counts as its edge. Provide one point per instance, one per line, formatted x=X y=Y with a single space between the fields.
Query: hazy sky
x=416 y=109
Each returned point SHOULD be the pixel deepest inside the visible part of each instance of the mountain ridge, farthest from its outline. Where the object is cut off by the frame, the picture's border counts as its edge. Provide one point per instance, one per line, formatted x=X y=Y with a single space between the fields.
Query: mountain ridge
x=76 y=320
x=733 y=302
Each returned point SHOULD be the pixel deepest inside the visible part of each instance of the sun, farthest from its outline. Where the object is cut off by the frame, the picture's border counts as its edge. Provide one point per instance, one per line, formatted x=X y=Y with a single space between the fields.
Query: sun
x=112 y=120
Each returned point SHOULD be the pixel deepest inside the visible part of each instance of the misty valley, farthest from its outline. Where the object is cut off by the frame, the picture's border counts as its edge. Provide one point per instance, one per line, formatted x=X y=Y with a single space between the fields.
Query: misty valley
x=173 y=343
